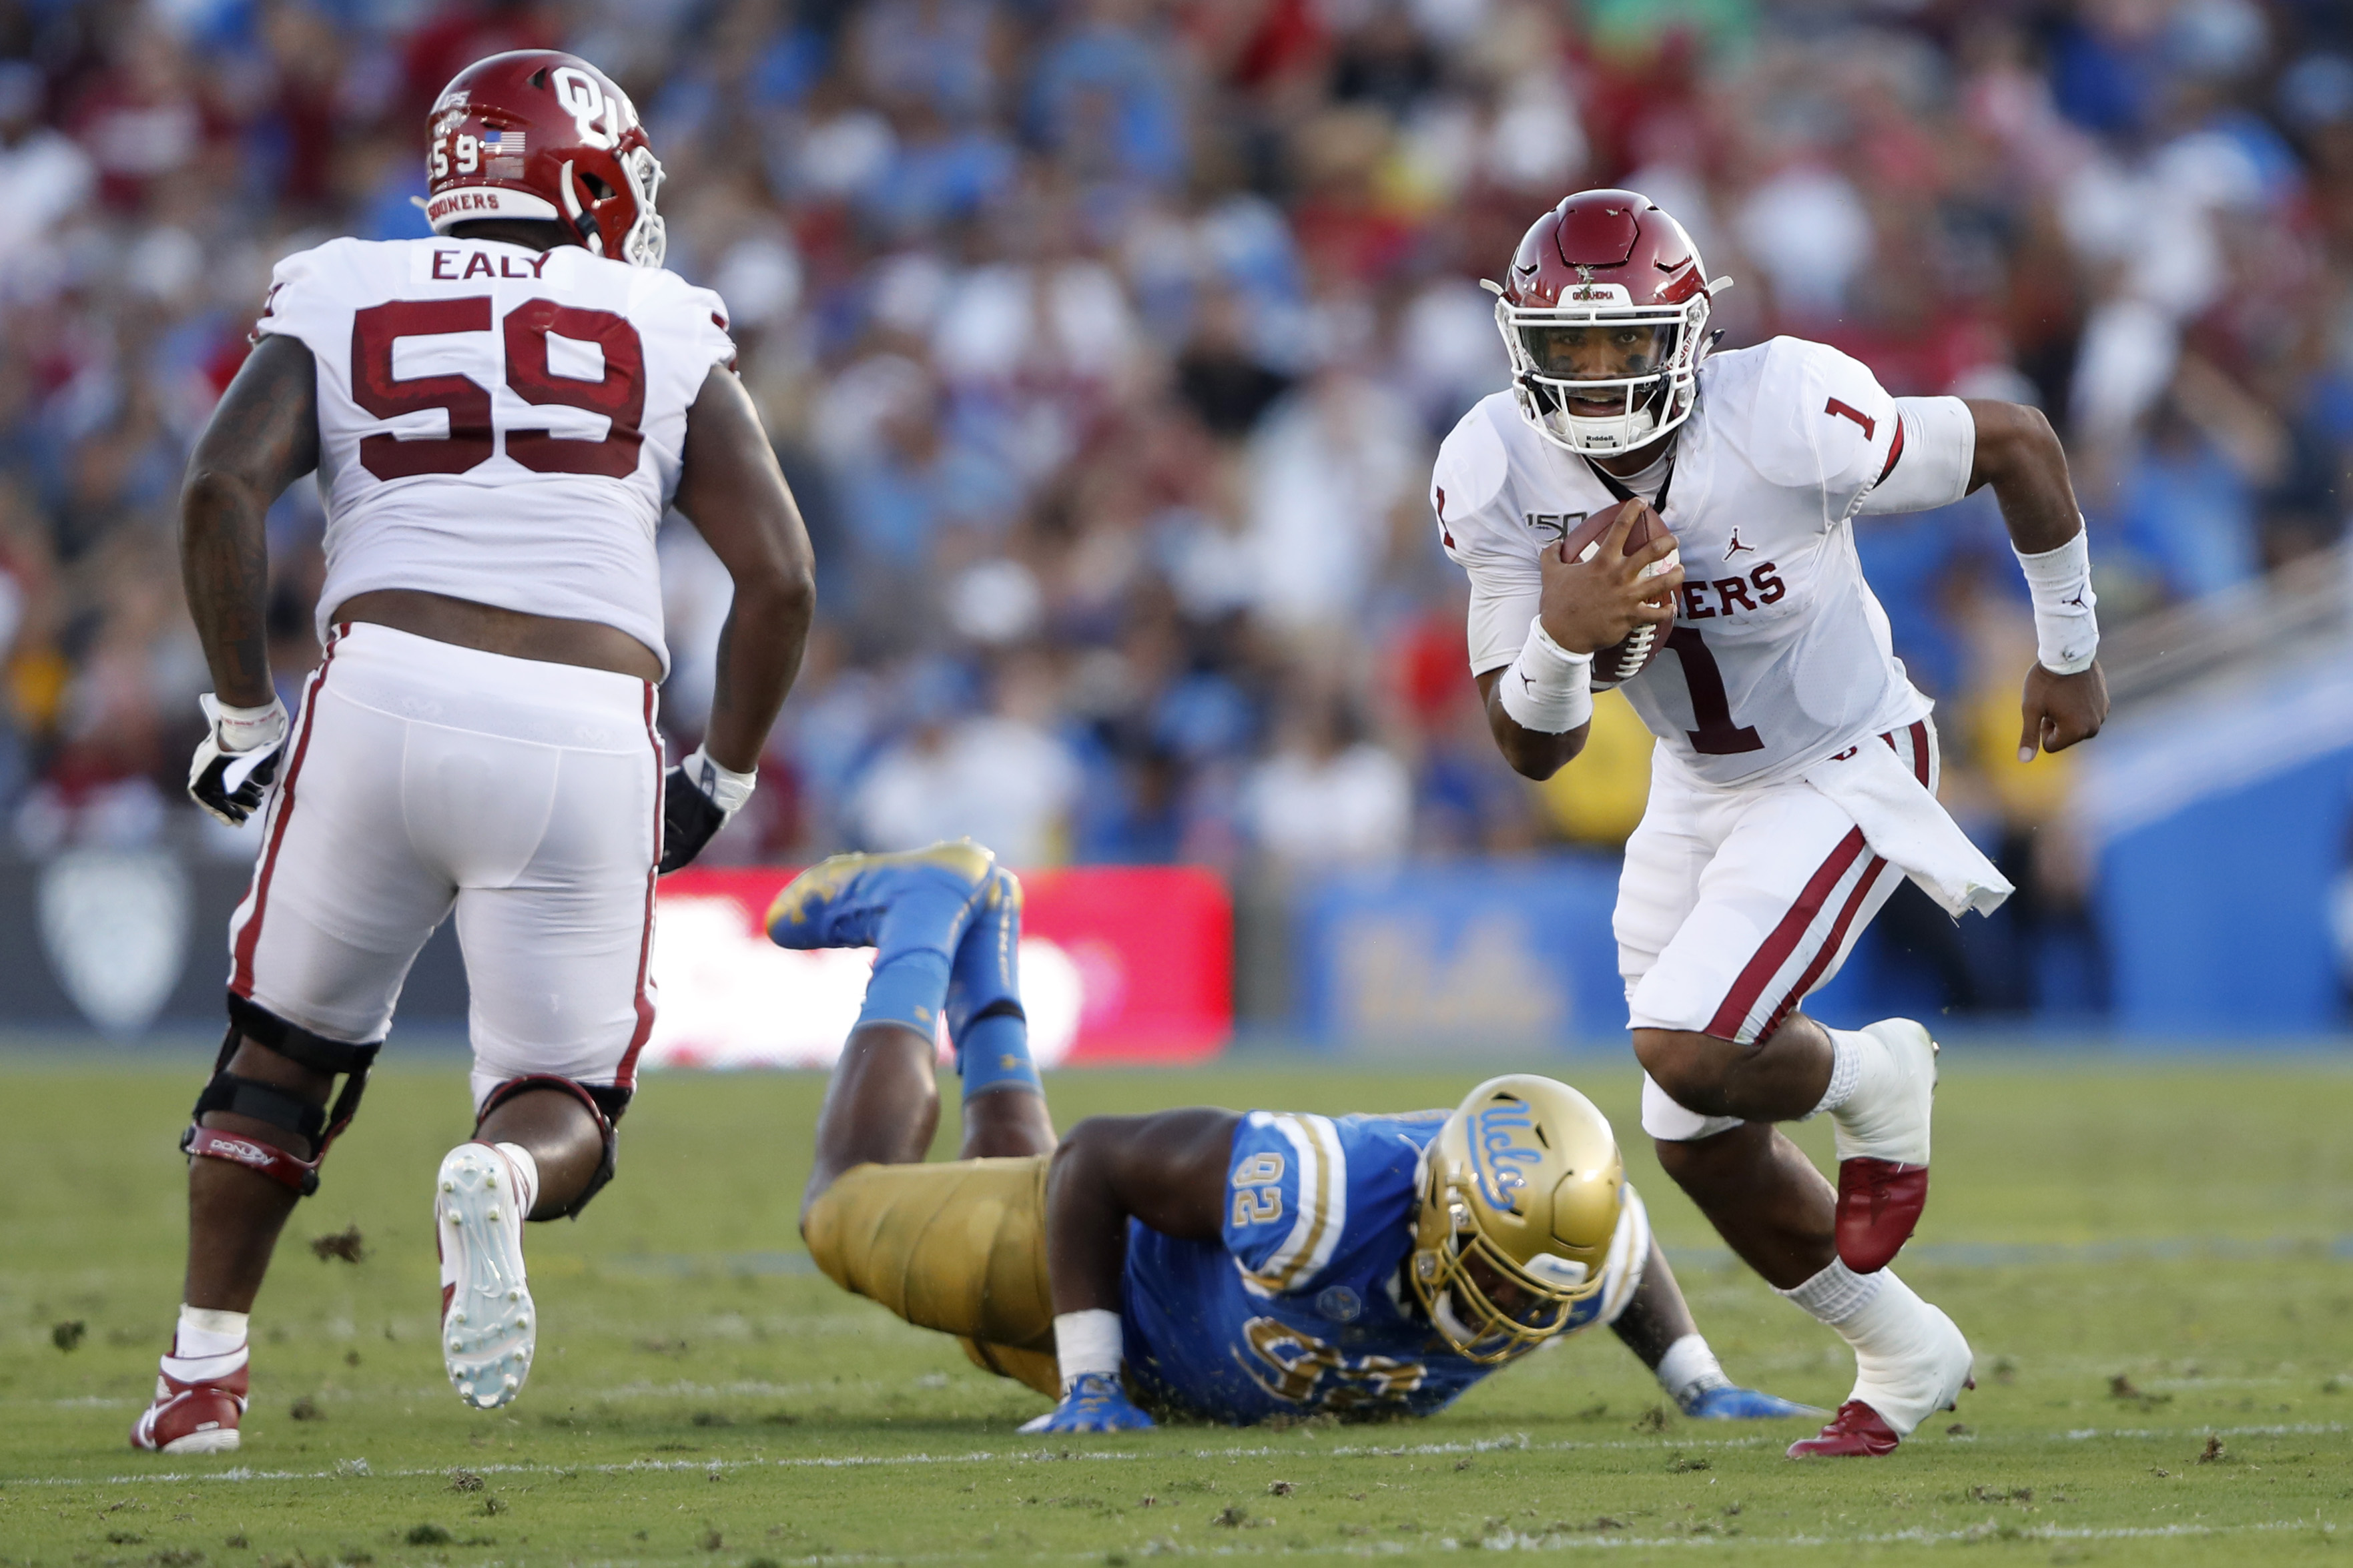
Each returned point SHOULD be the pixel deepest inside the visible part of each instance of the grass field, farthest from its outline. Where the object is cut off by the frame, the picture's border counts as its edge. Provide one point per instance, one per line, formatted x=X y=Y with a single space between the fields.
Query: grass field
x=2154 y=1262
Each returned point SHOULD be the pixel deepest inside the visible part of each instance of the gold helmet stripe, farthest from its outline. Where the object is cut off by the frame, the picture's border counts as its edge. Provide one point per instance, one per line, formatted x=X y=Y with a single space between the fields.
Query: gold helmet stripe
x=1323 y=1203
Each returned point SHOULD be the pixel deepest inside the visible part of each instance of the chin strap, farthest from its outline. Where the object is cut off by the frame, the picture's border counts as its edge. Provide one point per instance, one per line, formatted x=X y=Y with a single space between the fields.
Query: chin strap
x=1617 y=486
x=590 y=234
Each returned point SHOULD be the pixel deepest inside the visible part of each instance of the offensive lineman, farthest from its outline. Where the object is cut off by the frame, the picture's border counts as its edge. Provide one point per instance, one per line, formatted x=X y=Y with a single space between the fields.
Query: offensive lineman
x=498 y=418
x=1222 y=1267
x=1793 y=784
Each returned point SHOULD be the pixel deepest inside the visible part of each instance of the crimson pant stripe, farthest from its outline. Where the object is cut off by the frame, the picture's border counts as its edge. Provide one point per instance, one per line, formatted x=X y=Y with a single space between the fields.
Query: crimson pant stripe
x=626 y=1076
x=1784 y=939
x=1822 y=959
x=249 y=939
x=1918 y=734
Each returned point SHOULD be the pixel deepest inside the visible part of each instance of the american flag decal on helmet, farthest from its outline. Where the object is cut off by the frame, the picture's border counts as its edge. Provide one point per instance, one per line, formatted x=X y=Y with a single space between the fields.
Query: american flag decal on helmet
x=504 y=144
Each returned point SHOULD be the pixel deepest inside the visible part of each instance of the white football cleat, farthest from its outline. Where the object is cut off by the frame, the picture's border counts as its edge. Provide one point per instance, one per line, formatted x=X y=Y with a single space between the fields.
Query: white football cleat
x=489 y=1328
x=1928 y=1375
x=1910 y=1361
x=1886 y=1117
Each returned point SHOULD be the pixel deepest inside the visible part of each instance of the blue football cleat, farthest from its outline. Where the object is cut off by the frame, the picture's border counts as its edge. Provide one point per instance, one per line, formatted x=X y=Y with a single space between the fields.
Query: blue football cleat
x=1727 y=1403
x=844 y=900
x=1093 y=1403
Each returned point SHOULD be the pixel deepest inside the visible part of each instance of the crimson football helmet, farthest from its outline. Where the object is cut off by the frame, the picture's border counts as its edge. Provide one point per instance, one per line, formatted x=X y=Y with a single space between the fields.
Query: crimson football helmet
x=536 y=133
x=1605 y=316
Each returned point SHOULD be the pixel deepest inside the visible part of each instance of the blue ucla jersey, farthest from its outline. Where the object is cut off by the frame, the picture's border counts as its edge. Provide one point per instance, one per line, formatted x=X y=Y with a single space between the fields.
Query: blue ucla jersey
x=1303 y=1306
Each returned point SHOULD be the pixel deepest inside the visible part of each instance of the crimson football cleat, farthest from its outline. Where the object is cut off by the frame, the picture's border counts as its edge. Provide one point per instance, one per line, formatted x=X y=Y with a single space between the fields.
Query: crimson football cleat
x=1879 y=1205
x=198 y=1418
x=1883 y=1146
x=1856 y=1432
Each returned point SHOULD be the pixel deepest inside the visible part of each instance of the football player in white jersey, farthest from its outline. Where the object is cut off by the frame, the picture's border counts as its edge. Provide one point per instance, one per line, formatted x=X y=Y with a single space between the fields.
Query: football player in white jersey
x=1793 y=782
x=499 y=417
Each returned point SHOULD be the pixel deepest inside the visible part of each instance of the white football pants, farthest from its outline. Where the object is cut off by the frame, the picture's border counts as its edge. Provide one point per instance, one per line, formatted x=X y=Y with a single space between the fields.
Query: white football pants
x=1735 y=903
x=422 y=777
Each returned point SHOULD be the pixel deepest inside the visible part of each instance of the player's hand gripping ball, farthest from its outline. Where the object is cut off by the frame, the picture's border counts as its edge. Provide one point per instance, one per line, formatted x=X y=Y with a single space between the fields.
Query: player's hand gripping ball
x=1620 y=609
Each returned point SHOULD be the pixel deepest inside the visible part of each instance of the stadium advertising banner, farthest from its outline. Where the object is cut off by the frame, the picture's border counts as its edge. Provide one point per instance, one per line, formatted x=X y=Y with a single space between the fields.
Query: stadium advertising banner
x=1118 y=965
x=1479 y=956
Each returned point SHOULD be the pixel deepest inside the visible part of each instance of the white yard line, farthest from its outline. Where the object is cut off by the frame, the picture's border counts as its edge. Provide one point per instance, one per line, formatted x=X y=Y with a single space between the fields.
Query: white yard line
x=1201 y=1546
x=347 y=1469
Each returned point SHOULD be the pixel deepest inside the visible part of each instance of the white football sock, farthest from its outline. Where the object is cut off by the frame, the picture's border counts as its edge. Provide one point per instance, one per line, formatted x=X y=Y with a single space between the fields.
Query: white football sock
x=1689 y=1368
x=526 y=1173
x=1087 y=1341
x=1847 y=1052
x=1836 y=1294
x=1909 y=1358
x=1880 y=1091
x=207 y=1343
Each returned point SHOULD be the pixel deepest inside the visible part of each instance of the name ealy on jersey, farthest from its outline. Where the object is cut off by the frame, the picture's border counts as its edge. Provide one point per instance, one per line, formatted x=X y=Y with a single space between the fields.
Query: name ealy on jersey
x=481 y=264
x=1760 y=587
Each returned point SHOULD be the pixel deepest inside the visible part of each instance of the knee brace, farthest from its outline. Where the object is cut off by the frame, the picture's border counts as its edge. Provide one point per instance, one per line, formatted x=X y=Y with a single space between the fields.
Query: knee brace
x=606 y=1102
x=270 y=1103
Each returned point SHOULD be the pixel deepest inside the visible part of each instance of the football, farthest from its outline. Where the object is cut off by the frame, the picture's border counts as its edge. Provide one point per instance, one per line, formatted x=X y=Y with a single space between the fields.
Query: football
x=1623 y=660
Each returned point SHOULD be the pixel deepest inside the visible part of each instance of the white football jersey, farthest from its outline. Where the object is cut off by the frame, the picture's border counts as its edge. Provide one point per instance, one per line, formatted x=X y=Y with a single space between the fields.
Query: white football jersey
x=499 y=424
x=1779 y=654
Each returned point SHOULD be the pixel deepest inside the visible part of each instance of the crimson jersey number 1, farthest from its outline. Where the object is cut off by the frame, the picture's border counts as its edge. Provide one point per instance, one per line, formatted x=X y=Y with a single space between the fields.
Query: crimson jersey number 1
x=620 y=396
x=1717 y=735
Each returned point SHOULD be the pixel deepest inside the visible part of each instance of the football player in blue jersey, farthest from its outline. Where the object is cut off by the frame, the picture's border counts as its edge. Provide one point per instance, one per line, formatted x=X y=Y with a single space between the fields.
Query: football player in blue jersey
x=1232 y=1267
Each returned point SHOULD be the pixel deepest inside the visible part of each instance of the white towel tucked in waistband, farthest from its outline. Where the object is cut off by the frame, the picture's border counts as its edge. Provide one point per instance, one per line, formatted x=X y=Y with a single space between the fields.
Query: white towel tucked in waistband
x=1905 y=826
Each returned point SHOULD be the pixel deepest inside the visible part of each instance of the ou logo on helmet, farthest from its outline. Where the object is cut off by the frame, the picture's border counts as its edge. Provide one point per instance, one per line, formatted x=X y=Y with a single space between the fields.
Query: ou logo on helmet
x=1497 y=1152
x=587 y=103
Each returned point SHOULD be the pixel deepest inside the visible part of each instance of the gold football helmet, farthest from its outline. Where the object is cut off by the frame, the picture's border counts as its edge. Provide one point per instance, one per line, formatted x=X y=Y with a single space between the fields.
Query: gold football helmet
x=1525 y=1177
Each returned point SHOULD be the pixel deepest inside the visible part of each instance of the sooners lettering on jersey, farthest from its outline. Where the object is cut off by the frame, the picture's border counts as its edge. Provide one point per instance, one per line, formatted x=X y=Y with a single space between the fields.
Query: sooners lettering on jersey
x=1782 y=654
x=498 y=423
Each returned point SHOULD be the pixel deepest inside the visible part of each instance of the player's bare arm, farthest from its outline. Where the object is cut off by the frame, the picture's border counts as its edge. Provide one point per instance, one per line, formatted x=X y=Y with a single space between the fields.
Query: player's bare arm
x=2019 y=456
x=262 y=436
x=733 y=491
x=1167 y=1170
x=1586 y=605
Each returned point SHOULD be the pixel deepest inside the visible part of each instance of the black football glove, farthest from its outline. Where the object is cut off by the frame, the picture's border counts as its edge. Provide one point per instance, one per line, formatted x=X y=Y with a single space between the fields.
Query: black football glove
x=699 y=796
x=237 y=761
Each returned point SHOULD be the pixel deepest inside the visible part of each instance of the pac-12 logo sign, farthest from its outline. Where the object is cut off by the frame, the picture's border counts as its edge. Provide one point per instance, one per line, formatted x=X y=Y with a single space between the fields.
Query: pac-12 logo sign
x=1503 y=1138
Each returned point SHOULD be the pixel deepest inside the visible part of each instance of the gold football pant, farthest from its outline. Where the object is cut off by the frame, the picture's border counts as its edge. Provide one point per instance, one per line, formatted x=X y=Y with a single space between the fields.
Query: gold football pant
x=958 y=1246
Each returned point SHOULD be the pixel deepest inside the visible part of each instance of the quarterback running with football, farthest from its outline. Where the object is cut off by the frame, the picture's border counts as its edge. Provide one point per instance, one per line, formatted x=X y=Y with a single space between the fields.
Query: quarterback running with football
x=499 y=417
x=1201 y=1262
x=1793 y=784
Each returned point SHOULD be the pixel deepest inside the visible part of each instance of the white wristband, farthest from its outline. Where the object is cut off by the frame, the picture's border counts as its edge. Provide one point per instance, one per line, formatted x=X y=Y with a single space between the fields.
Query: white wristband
x=239 y=730
x=1086 y=1342
x=1548 y=688
x=2067 y=631
x=1689 y=1367
x=727 y=788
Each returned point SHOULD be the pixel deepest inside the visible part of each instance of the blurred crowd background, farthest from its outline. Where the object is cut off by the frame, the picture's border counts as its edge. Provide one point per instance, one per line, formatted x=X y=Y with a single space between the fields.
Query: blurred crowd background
x=1107 y=342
